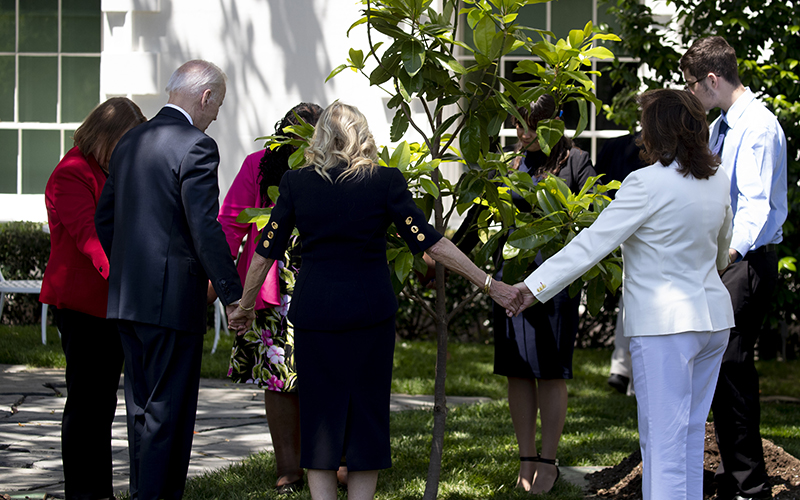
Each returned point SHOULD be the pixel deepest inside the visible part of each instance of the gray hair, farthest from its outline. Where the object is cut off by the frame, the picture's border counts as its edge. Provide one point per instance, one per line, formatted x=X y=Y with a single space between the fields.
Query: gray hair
x=195 y=76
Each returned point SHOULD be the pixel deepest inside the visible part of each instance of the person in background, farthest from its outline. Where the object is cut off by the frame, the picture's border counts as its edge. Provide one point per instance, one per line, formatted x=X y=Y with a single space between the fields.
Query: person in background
x=157 y=222
x=618 y=158
x=265 y=355
x=534 y=350
x=343 y=308
x=673 y=221
x=752 y=145
x=75 y=284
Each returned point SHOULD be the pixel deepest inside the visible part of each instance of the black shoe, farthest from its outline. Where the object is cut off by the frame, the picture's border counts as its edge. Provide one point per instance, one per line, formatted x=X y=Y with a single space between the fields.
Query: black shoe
x=619 y=382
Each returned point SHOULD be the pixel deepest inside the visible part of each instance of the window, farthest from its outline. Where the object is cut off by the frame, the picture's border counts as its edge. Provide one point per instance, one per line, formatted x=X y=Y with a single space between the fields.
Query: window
x=561 y=17
x=49 y=82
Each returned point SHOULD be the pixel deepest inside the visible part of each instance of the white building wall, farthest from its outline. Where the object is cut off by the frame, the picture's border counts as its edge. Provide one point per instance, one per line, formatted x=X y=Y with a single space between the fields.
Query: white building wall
x=276 y=54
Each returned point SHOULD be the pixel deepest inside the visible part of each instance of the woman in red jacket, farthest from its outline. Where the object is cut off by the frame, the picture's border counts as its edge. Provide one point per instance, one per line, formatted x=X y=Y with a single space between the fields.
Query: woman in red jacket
x=75 y=283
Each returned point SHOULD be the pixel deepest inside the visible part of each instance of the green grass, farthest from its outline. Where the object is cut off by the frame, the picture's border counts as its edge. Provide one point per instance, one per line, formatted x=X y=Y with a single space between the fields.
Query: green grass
x=480 y=449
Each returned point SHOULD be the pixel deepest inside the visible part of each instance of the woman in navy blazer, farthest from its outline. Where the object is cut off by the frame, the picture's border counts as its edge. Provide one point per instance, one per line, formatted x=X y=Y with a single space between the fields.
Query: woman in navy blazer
x=75 y=282
x=343 y=305
x=673 y=220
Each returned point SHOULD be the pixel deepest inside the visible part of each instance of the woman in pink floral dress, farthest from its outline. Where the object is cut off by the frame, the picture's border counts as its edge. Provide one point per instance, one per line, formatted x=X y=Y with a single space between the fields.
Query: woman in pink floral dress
x=264 y=356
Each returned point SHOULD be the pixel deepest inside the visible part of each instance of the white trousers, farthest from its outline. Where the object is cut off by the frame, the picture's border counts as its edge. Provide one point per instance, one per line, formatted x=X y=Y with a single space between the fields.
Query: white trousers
x=674 y=378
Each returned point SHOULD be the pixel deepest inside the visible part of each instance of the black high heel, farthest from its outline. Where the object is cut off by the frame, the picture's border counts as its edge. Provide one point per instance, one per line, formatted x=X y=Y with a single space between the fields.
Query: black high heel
x=554 y=462
x=527 y=459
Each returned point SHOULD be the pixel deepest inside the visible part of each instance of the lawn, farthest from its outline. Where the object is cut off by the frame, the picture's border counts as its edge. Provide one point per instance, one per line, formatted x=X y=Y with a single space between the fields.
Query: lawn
x=480 y=451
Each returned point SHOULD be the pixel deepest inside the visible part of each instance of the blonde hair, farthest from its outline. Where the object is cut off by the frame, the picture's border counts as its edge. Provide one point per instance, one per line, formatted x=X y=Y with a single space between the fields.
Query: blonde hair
x=342 y=136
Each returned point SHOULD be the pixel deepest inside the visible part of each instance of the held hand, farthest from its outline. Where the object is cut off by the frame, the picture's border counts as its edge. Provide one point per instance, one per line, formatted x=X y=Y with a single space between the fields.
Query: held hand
x=505 y=295
x=239 y=319
x=527 y=300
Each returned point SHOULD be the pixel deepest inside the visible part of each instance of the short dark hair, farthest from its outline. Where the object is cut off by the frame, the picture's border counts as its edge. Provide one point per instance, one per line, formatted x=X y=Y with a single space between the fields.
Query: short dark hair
x=712 y=54
x=544 y=108
x=105 y=125
x=674 y=128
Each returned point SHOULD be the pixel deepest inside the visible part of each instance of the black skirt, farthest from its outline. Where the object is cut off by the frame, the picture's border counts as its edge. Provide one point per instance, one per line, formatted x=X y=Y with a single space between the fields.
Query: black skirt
x=344 y=396
x=539 y=342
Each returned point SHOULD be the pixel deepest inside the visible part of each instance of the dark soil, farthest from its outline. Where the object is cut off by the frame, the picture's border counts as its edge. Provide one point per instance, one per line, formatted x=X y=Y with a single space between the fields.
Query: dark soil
x=624 y=481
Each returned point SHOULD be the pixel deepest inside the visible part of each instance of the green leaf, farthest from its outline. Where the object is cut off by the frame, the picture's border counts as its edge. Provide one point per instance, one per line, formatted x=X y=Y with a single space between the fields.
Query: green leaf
x=533 y=236
x=298 y=158
x=429 y=187
x=598 y=53
x=488 y=249
x=273 y=193
x=357 y=58
x=785 y=264
x=470 y=140
x=549 y=133
x=403 y=264
x=576 y=38
x=401 y=156
x=515 y=270
x=357 y=23
x=338 y=69
x=595 y=295
x=413 y=55
x=484 y=35
x=584 y=119
x=441 y=129
x=399 y=125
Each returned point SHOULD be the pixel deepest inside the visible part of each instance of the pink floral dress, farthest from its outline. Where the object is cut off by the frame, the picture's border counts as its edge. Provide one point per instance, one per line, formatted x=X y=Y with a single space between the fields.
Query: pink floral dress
x=263 y=356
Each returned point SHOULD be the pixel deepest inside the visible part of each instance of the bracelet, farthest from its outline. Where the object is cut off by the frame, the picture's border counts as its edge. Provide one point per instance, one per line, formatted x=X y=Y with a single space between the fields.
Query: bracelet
x=487 y=284
x=246 y=309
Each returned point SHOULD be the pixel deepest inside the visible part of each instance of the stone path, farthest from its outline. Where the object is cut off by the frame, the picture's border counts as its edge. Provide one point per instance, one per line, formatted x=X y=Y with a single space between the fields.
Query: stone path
x=230 y=426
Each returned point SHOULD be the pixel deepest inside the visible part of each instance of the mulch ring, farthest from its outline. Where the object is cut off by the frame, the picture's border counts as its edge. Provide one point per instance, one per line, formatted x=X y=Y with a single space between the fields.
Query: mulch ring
x=624 y=480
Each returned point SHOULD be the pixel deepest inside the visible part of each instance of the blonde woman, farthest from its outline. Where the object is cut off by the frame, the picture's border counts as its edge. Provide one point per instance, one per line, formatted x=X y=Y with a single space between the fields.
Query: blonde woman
x=343 y=306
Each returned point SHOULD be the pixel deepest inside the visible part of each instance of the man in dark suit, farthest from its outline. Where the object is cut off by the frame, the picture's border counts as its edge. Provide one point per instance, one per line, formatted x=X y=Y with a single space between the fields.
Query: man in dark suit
x=157 y=221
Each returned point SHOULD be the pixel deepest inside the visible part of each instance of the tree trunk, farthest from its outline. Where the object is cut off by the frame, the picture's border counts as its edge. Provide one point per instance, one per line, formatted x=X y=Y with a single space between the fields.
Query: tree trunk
x=439 y=399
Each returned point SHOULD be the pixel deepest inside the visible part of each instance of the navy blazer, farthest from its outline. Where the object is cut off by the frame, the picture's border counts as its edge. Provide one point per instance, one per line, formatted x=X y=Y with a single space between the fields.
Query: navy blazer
x=344 y=281
x=157 y=221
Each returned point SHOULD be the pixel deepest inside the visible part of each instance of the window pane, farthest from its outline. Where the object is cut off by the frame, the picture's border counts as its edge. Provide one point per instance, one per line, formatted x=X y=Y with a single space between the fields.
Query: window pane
x=38 y=89
x=531 y=16
x=80 y=26
x=606 y=92
x=80 y=87
x=7 y=88
x=8 y=31
x=38 y=26
x=570 y=15
x=69 y=142
x=8 y=161
x=40 y=155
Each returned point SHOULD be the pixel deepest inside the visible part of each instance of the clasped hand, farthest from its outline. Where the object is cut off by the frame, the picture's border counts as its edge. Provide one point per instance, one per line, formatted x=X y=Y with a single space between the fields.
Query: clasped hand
x=514 y=299
x=239 y=319
x=526 y=299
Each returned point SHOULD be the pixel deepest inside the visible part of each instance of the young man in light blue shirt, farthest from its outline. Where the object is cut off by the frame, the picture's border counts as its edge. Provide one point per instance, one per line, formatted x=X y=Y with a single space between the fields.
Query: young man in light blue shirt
x=752 y=145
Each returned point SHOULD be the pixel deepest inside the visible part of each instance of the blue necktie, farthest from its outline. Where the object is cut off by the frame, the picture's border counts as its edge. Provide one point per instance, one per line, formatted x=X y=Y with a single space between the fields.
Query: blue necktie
x=723 y=129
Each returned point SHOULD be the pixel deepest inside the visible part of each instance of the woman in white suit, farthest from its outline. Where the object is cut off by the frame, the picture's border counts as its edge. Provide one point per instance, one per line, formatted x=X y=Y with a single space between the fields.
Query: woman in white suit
x=673 y=220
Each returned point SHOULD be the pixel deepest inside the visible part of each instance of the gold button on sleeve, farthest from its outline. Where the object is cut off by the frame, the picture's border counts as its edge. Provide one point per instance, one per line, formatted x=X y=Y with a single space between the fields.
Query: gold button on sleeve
x=414 y=229
x=270 y=235
x=409 y=220
x=274 y=225
x=266 y=244
x=421 y=237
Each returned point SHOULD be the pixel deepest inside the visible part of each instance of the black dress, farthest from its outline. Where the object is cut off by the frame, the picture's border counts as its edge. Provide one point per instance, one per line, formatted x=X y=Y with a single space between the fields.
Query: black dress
x=539 y=342
x=343 y=307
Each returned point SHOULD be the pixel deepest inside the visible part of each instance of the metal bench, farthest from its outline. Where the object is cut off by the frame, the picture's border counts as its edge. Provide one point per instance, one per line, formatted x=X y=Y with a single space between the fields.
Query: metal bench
x=23 y=286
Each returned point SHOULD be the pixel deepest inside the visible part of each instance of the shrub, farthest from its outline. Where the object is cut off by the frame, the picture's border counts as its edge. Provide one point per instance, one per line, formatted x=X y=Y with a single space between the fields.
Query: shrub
x=24 y=251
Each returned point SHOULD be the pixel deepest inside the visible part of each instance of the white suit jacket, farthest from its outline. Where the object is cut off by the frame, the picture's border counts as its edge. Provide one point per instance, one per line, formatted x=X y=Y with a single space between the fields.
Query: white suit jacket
x=674 y=232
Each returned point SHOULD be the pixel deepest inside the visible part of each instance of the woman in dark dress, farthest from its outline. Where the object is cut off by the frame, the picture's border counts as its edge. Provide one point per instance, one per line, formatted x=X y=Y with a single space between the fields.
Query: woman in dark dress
x=534 y=349
x=343 y=305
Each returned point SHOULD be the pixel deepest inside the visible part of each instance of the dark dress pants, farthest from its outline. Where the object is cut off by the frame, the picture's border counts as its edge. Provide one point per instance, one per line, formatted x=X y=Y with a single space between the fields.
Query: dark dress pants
x=736 y=407
x=94 y=361
x=162 y=377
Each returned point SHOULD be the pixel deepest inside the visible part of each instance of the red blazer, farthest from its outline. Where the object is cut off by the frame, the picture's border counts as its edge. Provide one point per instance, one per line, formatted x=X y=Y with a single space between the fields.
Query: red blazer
x=76 y=276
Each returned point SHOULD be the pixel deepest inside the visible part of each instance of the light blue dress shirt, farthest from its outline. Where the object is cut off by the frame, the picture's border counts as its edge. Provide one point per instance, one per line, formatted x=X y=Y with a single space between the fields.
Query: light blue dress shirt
x=754 y=157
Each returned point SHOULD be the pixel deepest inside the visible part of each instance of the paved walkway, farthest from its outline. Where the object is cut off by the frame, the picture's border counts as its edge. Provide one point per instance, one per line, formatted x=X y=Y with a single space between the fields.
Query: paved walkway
x=230 y=426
